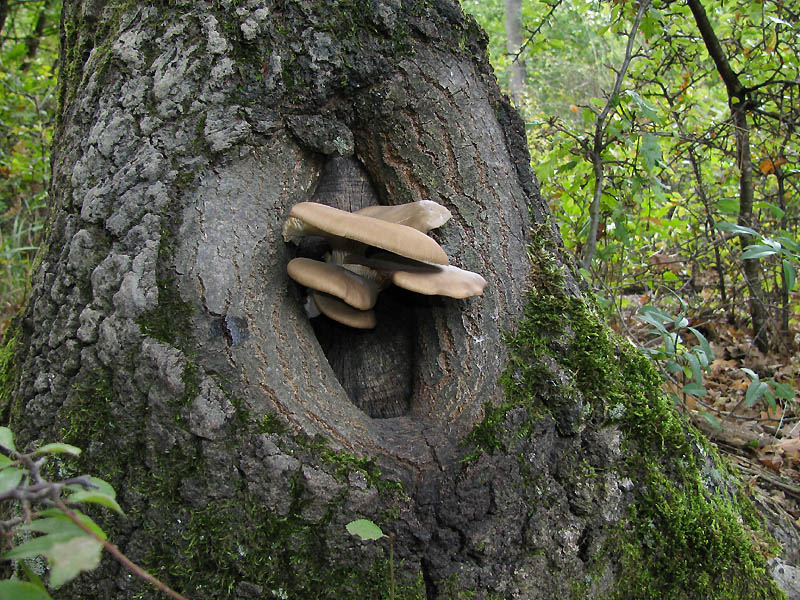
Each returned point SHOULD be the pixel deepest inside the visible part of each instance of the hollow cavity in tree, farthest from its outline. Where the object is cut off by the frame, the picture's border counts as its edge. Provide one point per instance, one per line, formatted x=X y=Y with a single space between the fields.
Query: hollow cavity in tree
x=354 y=263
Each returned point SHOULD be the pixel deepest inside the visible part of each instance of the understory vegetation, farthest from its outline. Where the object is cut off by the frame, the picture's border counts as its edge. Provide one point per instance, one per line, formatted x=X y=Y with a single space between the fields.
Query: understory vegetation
x=664 y=135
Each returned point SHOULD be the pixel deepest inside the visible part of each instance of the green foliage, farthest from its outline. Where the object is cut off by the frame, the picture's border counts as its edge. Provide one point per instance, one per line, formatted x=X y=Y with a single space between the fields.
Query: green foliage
x=28 y=52
x=22 y=590
x=690 y=362
x=671 y=180
x=70 y=540
x=369 y=532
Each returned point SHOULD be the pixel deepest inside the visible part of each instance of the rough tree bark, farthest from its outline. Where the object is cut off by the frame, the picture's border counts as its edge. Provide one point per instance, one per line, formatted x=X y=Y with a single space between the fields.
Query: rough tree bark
x=164 y=337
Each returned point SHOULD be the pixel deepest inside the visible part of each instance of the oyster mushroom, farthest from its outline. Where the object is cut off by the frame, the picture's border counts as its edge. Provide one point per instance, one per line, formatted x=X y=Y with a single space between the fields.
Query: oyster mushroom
x=336 y=280
x=335 y=309
x=422 y=216
x=423 y=278
x=345 y=287
x=310 y=218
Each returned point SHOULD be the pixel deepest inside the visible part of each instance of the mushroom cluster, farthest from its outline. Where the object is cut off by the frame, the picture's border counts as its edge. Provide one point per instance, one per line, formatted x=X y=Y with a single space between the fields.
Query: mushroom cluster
x=371 y=249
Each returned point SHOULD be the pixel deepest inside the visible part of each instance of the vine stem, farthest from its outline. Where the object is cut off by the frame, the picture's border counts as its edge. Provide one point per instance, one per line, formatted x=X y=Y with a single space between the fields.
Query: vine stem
x=117 y=553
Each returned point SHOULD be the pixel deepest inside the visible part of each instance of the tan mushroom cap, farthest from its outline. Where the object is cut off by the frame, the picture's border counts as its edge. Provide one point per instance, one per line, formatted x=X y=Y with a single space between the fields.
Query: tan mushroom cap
x=335 y=309
x=422 y=278
x=335 y=280
x=422 y=216
x=310 y=218
x=444 y=280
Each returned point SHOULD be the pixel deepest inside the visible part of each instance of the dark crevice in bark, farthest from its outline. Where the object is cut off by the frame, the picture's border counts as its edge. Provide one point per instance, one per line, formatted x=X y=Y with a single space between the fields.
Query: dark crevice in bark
x=375 y=366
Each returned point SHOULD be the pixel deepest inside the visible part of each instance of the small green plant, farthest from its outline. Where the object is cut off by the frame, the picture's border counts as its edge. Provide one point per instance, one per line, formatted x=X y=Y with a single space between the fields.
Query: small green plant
x=676 y=359
x=781 y=246
x=768 y=389
x=47 y=524
x=369 y=531
x=675 y=356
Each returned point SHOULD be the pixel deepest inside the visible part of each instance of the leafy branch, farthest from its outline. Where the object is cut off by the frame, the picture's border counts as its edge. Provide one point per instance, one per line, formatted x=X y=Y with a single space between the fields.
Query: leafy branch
x=70 y=540
x=598 y=140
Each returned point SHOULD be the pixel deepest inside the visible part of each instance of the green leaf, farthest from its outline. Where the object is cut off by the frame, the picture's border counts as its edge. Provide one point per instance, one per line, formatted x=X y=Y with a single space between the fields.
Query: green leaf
x=702 y=357
x=783 y=390
x=57 y=529
x=7 y=439
x=669 y=276
x=712 y=419
x=697 y=371
x=66 y=546
x=35 y=547
x=21 y=590
x=694 y=389
x=68 y=559
x=750 y=373
x=728 y=206
x=775 y=19
x=704 y=345
x=57 y=513
x=652 y=321
x=673 y=366
x=648 y=110
x=58 y=448
x=5 y=461
x=733 y=228
x=757 y=251
x=365 y=529
x=32 y=577
x=54 y=525
x=10 y=479
x=776 y=211
x=770 y=398
x=102 y=494
x=789 y=243
x=789 y=274
x=754 y=392
x=651 y=152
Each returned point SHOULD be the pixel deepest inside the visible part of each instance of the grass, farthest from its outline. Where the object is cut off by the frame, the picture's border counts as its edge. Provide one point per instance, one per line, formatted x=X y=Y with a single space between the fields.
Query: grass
x=19 y=239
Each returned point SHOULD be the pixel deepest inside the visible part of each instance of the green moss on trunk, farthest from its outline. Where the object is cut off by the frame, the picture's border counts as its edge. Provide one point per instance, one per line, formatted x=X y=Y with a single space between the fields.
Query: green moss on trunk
x=691 y=532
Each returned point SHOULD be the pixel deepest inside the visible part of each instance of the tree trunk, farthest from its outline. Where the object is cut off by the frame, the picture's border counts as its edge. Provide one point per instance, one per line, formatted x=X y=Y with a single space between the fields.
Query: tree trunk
x=164 y=337
x=741 y=103
x=513 y=24
x=759 y=315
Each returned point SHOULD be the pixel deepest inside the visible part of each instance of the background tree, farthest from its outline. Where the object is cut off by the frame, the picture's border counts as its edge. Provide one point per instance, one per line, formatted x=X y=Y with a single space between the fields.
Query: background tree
x=164 y=337
x=513 y=22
